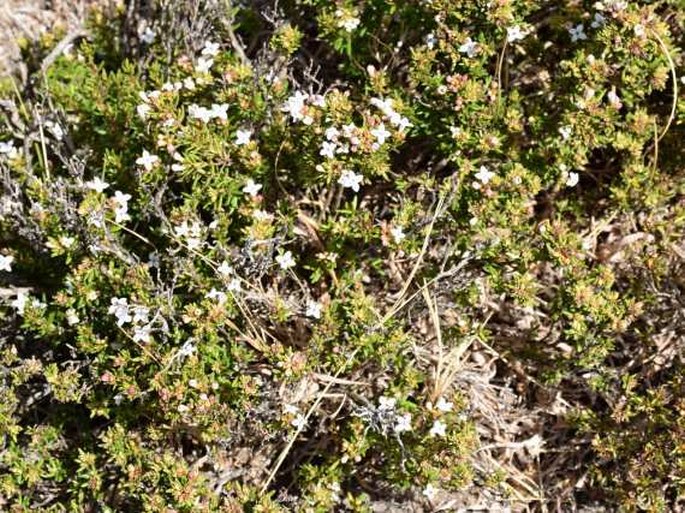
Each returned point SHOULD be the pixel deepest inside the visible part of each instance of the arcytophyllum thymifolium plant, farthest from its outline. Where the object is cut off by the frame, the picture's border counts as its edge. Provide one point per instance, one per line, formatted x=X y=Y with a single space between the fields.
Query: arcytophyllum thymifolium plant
x=335 y=256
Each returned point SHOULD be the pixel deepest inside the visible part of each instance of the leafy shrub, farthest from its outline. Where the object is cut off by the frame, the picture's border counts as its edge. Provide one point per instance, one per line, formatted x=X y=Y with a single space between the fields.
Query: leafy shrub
x=247 y=256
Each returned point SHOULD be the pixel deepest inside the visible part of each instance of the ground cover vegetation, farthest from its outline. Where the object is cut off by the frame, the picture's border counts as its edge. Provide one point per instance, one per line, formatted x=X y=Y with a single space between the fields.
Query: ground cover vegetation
x=316 y=255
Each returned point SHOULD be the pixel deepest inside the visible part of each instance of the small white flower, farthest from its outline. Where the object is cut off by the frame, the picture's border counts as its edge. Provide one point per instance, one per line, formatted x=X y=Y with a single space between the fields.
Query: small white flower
x=55 y=129
x=438 y=429
x=96 y=184
x=204 y=65
x=430 y=492
x=72 y=317
x=261 y=215
x=201 y=113
x=147 y=160
x=242 y=137
x=141 y=314
x=484 y=175
x=234 y=285
x=313 y=309
x=444 y=405
x=572 y=179
x=225 y=269
x=327 y=149
x=7 y=148
x=299 y=421
x=577 y=33
x=332 y=133
x=219 y=111
x=142 y=333
x=296 y=107
x=639 y=30
x=469 y=47
x=515 y=34
x=147 y=36
x=6 y=263
x=397 y=233
x=187 y=348
x=20 y=302
x=120 y=309
x=598 y=21
x=285 y=260
x=189 y=84
x=291 y=409
x=403 y=423
x=66 y=241
x=350 y=180
x=143 y=110
x=210 y=49
x=565 y=132
x=381 y=134
x=252 y=188
x=217 y=295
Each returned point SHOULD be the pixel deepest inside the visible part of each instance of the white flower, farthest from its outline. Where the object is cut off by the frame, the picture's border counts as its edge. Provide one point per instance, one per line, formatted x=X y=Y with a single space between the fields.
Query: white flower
x=438 y=429
x=349 y=24
x=234 y=285
x=577 y=33
x=189 y=84
x=403 y=423
x=20 y=302
x=217 y=295
x=119 y=308
x=210 y=48
x=469 y=47
x=386 y=403
x=143 y=110
x=313 y=309
x=6 y=263
x=7 y=148
x=261 y=215
x=332 y=133
x=66 y=241
x=380 y=133
x=350 y=180
x=141 y=314
x=201 y=113
x=187 y=348
x=204 y=65
x=318 y=100
x=515 y=34
x=572 y=179
x=295 y=106
x=598 y=21
x=55 y=129
x=72 y=317
x=327 y=150
x=639 y=30
x=430 y=492
x=225 y=269
x=285 y=260
x=397 y=233
x=299 y=421
x=291 y=409
x=565 y=132
x=147 y=36
x=142 y=333
x=242 y=137
x=96 y=184
x=444 y=405
x=252 y=188
x=147 y=160
x=219 y=111
x=121 y=210
x=399 y=121
x=484 y=175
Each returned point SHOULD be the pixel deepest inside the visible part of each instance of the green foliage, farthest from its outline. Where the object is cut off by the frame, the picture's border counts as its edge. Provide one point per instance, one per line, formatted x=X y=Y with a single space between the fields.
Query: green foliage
x=228 y=253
